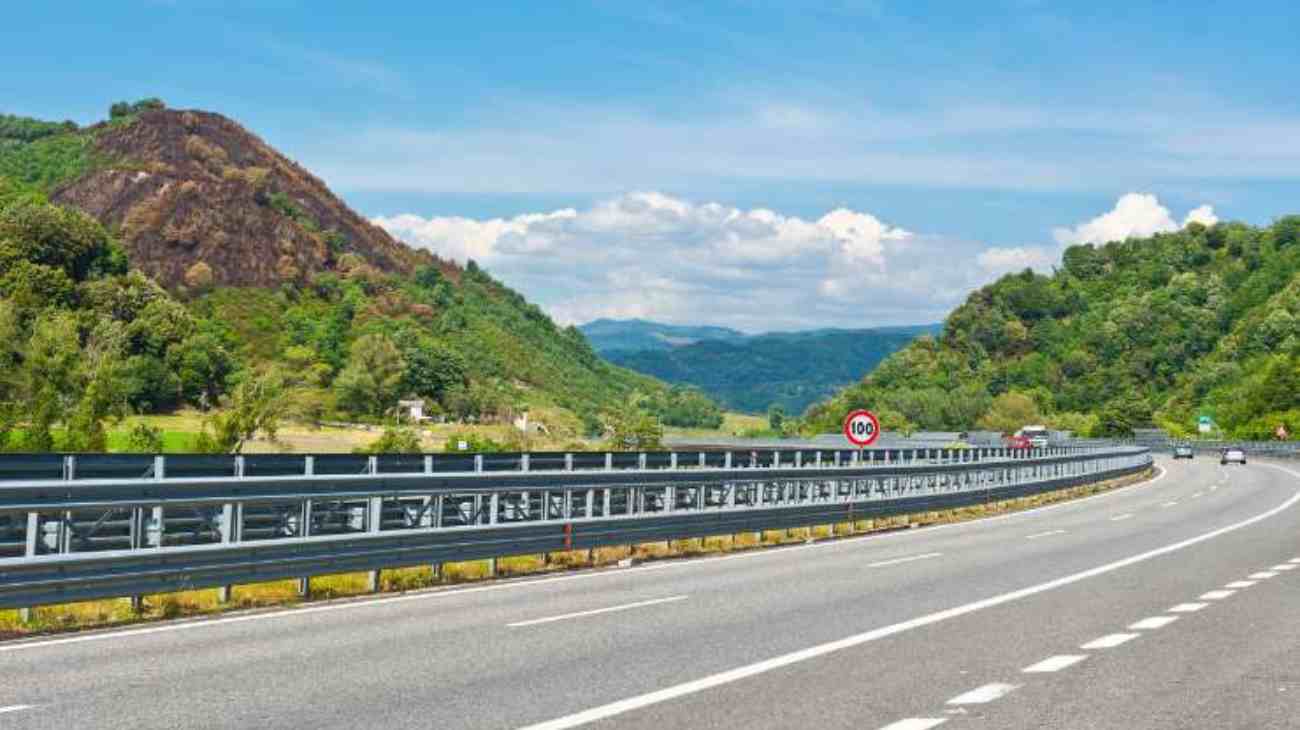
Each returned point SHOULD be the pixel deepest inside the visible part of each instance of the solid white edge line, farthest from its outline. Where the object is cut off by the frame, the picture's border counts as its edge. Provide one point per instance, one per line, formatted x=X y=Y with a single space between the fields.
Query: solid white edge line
x=916 y=723
x=900 y=561
x=984 y=695
x=14 y=708
x=448 y=593
x=732 y=675
x=1215 y=595
x=594 y=612
x=1154 y=622
x=1109 y=641
x=1054 y=664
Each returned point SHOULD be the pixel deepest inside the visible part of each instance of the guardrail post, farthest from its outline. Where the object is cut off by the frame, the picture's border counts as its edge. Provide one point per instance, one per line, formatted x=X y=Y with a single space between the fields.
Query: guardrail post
x=726 y=461
x=478 y=462
x=672 y=460
x=27 y=613
x=798 y=459
x=224 y=593
x=239 y=466
x=609 y=461
x=524 y=462
x=69 y=468
x=159 y=467
x=837 y=457
x=641 y=461
x=374 y=526
x=308 y=465
x=372 y=465
x=494 y=504
x=568 y=462
x=428 y=463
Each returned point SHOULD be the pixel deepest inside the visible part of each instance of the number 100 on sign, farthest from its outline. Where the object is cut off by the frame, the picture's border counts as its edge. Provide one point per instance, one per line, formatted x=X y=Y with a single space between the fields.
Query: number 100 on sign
x=861 y=428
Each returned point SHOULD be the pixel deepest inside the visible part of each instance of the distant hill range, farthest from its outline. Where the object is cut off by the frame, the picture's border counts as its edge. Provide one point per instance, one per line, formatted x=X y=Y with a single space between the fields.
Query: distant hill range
x=750 y=372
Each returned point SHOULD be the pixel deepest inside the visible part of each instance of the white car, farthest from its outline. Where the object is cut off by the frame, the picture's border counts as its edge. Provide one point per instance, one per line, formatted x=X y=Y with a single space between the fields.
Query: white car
x=1232 y=456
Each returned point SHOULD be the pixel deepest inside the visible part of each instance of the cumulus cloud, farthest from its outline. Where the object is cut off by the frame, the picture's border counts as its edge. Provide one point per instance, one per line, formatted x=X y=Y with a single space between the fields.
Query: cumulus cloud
x=1135 y=215
x=998 y=261
x=648 y=254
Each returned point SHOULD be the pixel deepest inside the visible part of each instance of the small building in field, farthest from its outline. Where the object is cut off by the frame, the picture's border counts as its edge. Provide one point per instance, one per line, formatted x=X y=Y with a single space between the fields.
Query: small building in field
x=412 y=410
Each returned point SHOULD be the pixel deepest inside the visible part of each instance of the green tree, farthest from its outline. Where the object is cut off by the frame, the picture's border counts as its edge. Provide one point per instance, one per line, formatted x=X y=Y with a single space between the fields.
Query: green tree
x=395 y=440
x=776 y=418
x=371 y=381
x=257 y=404
x=633 y=430
x=1010 y=412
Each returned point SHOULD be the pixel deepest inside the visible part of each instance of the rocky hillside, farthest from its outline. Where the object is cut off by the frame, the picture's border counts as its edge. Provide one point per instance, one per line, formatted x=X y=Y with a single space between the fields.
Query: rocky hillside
x=263 y=269
x=192 y=193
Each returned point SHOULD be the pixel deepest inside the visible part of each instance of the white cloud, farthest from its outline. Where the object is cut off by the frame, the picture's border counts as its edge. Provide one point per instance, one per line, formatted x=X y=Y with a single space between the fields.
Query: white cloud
x=1134 y=215
x=647 y=254
x=998 y=261
x=1203 y=214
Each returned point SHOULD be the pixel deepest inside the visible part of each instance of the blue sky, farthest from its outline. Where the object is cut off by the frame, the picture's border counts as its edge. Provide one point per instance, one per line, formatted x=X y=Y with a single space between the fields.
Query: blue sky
x=985 y=134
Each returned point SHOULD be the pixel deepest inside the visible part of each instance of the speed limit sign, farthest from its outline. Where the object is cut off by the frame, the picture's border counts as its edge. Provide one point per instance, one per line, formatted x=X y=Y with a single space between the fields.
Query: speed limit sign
x=861 y=428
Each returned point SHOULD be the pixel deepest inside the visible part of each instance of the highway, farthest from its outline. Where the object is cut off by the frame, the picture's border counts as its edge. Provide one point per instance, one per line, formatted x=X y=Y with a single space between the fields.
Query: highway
x=1170 y=604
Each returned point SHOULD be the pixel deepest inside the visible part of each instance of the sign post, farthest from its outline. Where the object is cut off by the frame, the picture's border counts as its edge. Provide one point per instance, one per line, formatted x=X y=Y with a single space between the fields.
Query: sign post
x=861 y=428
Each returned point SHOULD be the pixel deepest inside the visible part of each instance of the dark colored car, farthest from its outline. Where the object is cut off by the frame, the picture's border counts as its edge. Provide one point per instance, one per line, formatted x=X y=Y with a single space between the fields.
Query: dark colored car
x=1183 y=452
x=1232 y=456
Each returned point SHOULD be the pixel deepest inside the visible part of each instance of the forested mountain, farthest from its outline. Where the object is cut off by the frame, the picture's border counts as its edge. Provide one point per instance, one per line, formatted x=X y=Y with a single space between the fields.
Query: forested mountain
x=166 y=257
x=1157 y=330
x=630 y=335
x=785 y=369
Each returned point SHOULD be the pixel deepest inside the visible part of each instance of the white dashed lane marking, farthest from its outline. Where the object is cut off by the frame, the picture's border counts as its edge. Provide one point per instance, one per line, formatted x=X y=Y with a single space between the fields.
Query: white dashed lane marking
x=1283 y=566
x=900 y=561
x=916 y=723
x=1294 y=560
x=1194 y=496
x=1054 y=664
x=981 y=695
x=1049 y=533
x=1124 y=516
x=1109 y=641
x=1239 y=584
x=14 y=708
x=1155 y=622
x=1188 y=607
x=1216 y=595
x=1262 y=575
x=595 y=612
x=1169 y=504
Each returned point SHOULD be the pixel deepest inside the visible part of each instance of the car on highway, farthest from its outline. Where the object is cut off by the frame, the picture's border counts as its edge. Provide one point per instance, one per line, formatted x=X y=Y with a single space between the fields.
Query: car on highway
x=1232 y=456
x=1183 y=452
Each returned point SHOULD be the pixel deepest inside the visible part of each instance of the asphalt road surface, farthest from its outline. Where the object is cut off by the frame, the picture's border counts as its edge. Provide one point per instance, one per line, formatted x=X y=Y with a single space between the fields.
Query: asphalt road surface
x=1170 y=604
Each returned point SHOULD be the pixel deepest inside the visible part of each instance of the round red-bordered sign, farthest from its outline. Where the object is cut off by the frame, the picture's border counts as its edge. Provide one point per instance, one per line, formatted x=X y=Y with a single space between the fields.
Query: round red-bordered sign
x=861 y=428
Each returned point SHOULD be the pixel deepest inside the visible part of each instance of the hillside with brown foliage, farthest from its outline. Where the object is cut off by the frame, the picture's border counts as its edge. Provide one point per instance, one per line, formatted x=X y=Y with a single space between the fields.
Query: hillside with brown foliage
x=198 y=201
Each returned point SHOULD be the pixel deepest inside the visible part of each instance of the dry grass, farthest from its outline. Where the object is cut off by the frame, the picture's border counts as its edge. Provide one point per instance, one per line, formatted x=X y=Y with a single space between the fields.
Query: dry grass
x=116 y=612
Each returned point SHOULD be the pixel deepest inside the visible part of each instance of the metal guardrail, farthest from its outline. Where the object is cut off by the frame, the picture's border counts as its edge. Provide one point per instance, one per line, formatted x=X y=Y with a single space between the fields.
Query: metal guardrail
x=162 y=524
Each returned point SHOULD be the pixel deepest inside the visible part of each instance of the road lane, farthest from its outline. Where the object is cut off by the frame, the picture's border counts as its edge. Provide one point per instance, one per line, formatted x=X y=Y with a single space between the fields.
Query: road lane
x=449 y=657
